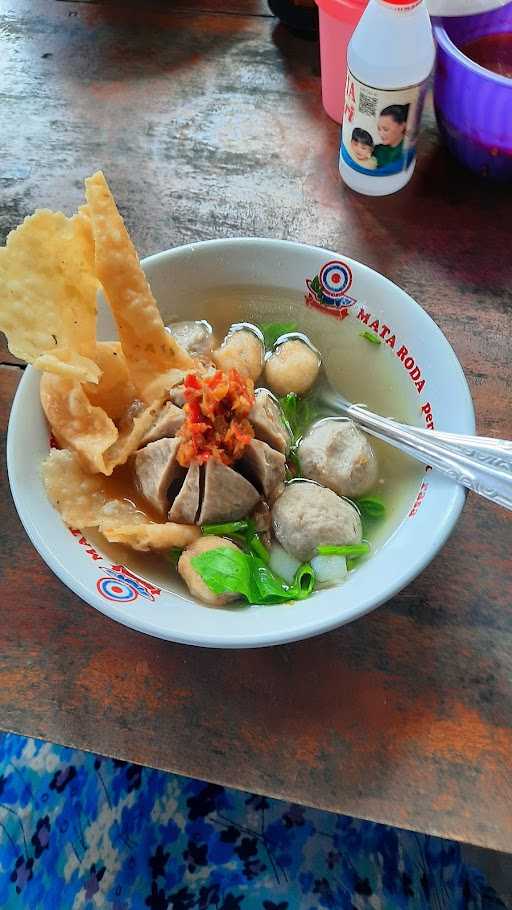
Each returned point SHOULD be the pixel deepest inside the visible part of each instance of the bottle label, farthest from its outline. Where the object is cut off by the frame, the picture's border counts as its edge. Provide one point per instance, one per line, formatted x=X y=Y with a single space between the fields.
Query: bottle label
x=380 y=127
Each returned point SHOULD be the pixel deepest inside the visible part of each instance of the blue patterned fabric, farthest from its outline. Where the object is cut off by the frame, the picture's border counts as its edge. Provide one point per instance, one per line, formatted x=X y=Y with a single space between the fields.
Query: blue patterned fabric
x=82 y=831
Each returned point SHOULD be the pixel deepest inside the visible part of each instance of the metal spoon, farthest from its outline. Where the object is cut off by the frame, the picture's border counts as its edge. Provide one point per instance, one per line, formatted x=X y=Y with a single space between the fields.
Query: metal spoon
x=479 y=463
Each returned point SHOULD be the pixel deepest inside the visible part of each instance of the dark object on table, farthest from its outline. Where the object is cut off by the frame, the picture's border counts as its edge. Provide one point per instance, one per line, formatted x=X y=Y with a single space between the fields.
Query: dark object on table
x=300 y=16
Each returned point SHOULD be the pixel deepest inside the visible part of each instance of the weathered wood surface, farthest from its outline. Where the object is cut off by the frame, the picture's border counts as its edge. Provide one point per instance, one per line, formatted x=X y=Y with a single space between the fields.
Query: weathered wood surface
x=209 y=124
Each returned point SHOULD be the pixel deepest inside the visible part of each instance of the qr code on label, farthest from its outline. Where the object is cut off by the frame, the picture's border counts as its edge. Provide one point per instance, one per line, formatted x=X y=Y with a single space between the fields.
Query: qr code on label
x=367 y=104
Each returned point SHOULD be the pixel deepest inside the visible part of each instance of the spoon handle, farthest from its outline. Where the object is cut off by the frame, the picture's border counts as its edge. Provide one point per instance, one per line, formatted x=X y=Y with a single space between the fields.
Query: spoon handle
x=482 y=465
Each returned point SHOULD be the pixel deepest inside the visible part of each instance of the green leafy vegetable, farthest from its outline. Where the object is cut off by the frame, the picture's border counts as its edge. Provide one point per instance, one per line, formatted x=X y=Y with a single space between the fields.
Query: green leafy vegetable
x=371 y=507
x=299 y=413
x=244 y=531
x=294 y=460
x=174 y=555
x=225 y=570
x=232 y=571
x=271 y=331
x=352 y=550
x=370 y=337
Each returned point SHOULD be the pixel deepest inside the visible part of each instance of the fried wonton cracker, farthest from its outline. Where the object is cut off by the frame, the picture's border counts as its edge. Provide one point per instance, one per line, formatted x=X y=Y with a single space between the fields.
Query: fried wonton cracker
x=152 y=354
x=82 y=502
x=75 y=422
x=87 y=430
x=115 y=391
x=149 y=535
x=48 y=294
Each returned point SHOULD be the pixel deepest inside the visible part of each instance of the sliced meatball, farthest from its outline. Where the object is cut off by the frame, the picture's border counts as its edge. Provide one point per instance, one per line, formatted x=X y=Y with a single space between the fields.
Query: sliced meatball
x=227 y=495
x=167 y=423
x=195 y=336
x=191 y=577
x=186 y=505
x=264 y=467
x=241 y=350
x=155 y=469
x=177 y=395
x=267 y=420
x=308 y=515
x=292 y=367
x=337 y=454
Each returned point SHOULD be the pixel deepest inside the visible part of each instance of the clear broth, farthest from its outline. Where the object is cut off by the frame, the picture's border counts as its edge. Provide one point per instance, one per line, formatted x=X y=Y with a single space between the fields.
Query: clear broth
x=363 y=373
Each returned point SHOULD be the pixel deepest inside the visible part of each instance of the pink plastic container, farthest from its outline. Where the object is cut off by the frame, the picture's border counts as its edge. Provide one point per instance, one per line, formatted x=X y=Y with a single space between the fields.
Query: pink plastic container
x=338 y=19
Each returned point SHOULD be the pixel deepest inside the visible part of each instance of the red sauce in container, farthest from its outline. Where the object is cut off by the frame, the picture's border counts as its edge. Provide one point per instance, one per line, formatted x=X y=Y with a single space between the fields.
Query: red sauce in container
x=494 y=52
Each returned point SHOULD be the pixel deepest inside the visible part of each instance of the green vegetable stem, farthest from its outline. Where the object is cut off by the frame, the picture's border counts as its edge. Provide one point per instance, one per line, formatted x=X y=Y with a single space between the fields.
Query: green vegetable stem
x=352 y=550
x=258 y=547
x=227 y=529
x=244 y=531
x=369 y=336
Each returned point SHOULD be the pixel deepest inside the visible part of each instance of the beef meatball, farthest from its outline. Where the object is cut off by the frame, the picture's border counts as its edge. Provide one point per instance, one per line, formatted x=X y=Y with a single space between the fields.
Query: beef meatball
x=338 y=455
x=308 y=515
x=292 y=367
x=195 y=336
x=242 y=350
x=268 y=422
x=191 y=577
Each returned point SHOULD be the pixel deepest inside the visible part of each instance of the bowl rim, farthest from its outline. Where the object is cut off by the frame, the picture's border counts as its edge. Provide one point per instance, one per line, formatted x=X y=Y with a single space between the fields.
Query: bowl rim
x=448 y=45
x=310 y=626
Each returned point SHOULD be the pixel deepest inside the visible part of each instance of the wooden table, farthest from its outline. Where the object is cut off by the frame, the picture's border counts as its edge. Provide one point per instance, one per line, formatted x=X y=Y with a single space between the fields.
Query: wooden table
x=209 y=124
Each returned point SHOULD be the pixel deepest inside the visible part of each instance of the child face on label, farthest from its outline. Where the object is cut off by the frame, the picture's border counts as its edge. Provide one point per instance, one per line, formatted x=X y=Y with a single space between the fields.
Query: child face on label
x=360 y=150
x=390 y=132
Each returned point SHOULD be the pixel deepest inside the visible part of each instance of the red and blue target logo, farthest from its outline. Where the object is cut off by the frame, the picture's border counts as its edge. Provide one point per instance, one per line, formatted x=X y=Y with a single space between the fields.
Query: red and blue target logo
x=335 y=278
x=118 y=591
x=123 y=587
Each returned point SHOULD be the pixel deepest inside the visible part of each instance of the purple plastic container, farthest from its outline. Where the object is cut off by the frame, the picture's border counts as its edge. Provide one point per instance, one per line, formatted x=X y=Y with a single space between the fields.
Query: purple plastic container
x=474 y=105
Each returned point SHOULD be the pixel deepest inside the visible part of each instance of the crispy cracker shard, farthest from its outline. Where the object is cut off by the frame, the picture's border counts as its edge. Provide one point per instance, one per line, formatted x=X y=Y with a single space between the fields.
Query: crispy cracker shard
x=48 y=294
x=152 y=353
x=87 y=430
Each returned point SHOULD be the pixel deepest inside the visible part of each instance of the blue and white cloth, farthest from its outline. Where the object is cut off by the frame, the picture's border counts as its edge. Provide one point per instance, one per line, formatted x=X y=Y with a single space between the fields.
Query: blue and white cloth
x=80 y=831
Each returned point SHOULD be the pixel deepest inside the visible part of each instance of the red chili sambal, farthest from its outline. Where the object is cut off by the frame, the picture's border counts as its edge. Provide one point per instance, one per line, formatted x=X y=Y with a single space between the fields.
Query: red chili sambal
x=216 y=424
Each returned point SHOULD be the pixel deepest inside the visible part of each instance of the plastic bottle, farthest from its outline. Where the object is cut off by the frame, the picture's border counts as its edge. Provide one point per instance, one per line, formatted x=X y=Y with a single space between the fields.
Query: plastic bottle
x=337 y=21
x=389 y=59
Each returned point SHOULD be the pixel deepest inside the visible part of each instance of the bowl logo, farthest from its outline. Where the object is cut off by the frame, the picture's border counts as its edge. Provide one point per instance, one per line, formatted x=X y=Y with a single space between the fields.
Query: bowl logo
x=118 y=591
x=335 y=278
x=328 y=290
x=122 y=586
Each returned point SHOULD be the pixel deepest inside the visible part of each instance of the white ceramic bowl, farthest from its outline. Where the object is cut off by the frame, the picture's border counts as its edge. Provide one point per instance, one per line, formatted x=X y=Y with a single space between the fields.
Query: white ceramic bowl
x=103 y=582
